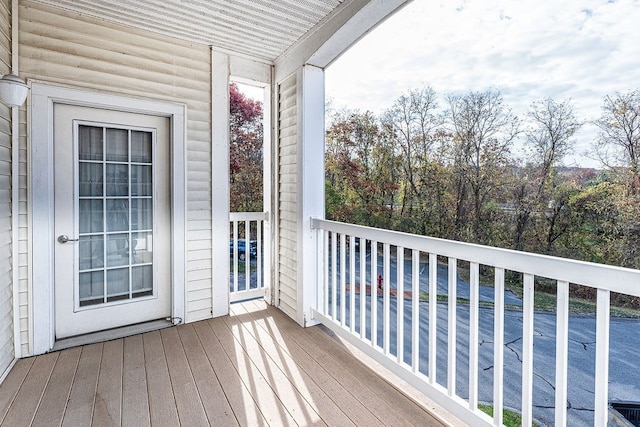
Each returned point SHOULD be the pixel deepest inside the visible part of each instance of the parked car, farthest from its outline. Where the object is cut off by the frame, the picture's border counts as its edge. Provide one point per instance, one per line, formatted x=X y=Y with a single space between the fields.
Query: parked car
x=242 y=248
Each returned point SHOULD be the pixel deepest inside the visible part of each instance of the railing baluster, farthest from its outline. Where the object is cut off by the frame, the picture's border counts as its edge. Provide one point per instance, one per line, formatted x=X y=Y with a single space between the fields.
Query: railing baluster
x=334 y=275
x=247 y=254
x=399 y=304
x=433 y=316
x=343 y=279
x=374 y=293
x=498 y=347
x=386 y=285
x=602 y=357
x=326 y=277
x=452 y=327
x=562 y=351
x=527 y=350
x=235 y=256
x=259 y=254
x=474 y=324
x=415 y=311
x=363 y=288
x=352 y=284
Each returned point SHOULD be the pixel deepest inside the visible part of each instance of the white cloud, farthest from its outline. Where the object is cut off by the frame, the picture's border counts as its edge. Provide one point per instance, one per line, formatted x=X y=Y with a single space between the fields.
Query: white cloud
x=528 y=49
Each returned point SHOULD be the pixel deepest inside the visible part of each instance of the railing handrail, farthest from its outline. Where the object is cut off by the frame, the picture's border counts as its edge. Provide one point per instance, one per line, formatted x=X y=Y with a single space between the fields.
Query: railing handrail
x=248 y=216
x=599 y=276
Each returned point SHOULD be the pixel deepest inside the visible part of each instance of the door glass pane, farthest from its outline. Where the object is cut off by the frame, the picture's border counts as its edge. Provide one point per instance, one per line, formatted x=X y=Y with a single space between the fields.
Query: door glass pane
x=142 y=278
x=117 y=250
x=91 y=250
x=141 y=147
x=142 y=248
x=115 y=215
x=141 y=180
x=91 y=288
x=91 y=215
x=117 y=180
x=117 y=284
x=90 y=177
x=91 y=143
x=117 y=145
x=141 y=214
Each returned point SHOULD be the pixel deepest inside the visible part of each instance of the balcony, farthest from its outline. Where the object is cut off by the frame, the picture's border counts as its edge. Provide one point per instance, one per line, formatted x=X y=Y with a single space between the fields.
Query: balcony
x=474 y=343
x=254 y=367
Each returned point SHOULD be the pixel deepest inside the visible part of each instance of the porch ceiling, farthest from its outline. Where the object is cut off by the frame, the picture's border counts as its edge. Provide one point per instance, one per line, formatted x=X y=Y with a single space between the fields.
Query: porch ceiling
x=262 y=29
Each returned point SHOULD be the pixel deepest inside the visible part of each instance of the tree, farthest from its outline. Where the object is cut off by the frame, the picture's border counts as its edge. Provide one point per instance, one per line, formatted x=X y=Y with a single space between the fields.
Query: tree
x=618 y=143
x=549 y=139
x=417 y=130
x=483 y=130
x=245 y=152
x=360 y=167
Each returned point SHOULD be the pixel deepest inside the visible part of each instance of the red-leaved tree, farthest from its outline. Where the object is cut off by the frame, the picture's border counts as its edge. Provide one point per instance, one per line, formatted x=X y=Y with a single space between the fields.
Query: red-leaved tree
x=245 y=154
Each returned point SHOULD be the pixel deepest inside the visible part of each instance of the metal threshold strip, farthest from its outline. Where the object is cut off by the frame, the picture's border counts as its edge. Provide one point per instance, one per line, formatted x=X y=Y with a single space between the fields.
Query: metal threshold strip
x=111 y=334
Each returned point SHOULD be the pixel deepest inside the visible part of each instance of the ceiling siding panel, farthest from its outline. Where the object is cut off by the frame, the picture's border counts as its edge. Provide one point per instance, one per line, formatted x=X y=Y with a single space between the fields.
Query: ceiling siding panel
x=262 y=29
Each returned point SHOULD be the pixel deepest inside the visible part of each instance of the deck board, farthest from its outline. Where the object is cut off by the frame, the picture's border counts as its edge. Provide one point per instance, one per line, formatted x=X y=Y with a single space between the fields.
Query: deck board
x=108 y=403
x=216 y=406
x=135 y=399
x=190 y=409
x=12 y=384
x=255 y=367
x=162 y=405
x=236 y=391
x=27 y=400
x=54 y=401
x=79 y=410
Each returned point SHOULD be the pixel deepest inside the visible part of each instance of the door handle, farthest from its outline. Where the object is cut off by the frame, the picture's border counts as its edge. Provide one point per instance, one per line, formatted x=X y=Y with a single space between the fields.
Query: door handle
x=63 y=238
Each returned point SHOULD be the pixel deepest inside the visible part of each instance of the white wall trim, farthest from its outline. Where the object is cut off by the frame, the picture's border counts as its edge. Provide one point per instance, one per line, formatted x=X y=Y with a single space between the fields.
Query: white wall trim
x=310 y=186
x=335 y=34
x=220 y=63
x=41 y=195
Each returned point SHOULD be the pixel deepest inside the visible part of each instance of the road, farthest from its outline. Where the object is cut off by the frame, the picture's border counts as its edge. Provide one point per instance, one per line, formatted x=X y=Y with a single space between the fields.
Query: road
x=624 y=371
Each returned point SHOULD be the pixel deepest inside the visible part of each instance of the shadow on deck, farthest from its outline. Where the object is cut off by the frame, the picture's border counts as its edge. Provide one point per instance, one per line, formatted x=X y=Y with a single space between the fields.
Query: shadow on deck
x=254 y=367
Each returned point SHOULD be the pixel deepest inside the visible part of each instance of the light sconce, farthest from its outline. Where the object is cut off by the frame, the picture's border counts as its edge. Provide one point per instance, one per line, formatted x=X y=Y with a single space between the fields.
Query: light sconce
x=13 y=90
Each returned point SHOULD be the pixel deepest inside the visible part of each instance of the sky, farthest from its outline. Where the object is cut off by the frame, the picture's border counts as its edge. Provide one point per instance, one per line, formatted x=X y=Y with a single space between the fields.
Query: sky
x=527 y=49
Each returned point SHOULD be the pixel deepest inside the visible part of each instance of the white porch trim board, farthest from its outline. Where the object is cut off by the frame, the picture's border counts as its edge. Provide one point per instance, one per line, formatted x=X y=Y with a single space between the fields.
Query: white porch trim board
x=220 y=63
x=41 y=195
x=310 y=186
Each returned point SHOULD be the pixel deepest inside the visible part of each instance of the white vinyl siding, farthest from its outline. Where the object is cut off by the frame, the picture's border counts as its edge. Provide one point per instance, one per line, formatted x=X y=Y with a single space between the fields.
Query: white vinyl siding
x=6 y=256
x=287 y=196
x=64 y=48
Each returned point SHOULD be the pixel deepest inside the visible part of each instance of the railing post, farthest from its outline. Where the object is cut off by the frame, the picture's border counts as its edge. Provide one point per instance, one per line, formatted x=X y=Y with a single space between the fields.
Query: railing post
x=310 y=187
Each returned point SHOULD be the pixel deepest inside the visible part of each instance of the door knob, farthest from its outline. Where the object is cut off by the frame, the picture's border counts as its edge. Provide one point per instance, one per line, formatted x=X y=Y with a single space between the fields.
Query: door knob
x=63 y=238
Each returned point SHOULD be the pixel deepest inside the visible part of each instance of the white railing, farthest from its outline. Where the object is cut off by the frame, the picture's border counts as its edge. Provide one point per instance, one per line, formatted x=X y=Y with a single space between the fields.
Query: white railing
x=374 y=286
x=248 y=254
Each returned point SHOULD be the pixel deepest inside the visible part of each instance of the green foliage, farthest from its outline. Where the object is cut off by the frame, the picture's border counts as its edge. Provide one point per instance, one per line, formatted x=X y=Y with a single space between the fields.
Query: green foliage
x=509 y=418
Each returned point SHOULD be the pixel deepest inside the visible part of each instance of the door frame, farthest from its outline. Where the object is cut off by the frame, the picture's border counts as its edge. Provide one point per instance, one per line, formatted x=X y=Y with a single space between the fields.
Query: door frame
x=41 y=197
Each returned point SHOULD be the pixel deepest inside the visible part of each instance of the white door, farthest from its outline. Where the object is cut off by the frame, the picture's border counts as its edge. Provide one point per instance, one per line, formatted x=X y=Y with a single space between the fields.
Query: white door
x=112 y=219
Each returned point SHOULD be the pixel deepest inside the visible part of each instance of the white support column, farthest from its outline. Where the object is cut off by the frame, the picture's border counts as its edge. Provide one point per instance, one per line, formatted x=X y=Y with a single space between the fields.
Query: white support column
x=310 y=186
x=220 y=181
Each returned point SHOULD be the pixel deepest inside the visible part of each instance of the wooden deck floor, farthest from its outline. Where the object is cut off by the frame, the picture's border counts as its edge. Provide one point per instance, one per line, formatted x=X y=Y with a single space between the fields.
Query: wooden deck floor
x=253 y=368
